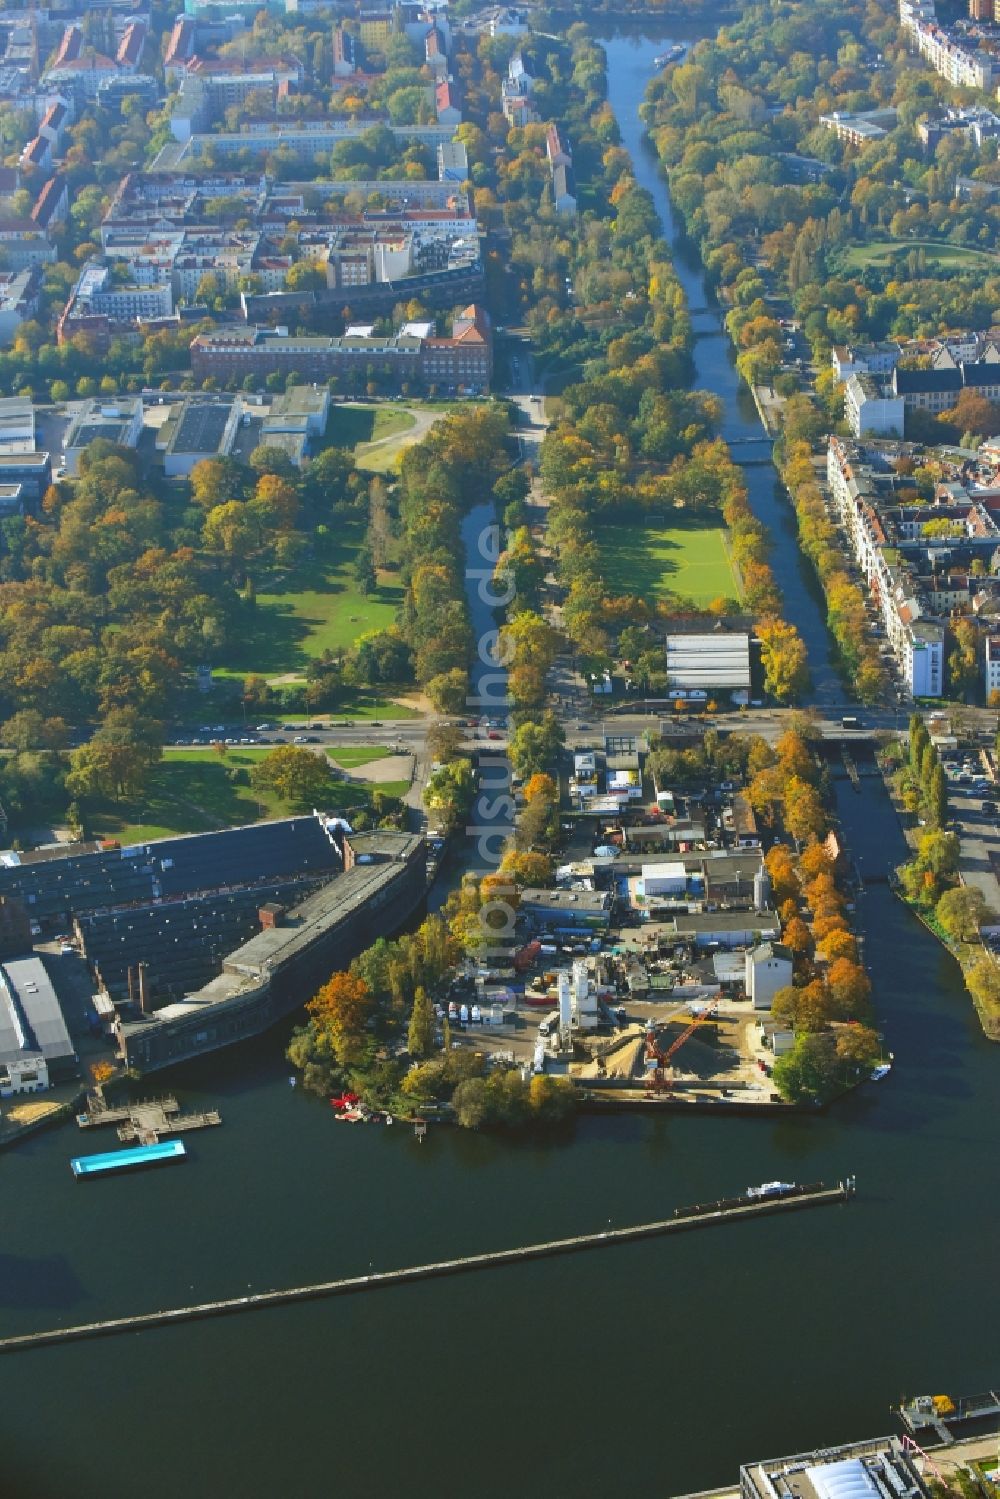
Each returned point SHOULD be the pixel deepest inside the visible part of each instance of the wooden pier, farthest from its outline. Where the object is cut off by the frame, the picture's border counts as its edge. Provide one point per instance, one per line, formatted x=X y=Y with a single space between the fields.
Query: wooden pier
x=146 y=1122
x=701 y=1216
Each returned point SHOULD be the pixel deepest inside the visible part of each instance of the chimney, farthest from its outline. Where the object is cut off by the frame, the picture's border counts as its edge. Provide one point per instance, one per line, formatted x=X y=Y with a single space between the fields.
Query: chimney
x=271 y=915
x=143 y=991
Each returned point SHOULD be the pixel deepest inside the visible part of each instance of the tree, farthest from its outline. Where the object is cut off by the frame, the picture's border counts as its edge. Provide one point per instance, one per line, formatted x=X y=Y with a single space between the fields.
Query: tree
x=541 y=785
x=810 y=1071
x=470 y=1103
x=937 y=797
x=534 y=745
x=341 y=1010
x=850 y=988
x=30 y=729
x=961 y=912
x=804 y=815
x=420 y=1036
x=295 y=773
x=859 y=1046
x=783 y=655
x=838 y=943
x=796 y=936
x=118 y=759
x=551 y=1098
x=938 y=853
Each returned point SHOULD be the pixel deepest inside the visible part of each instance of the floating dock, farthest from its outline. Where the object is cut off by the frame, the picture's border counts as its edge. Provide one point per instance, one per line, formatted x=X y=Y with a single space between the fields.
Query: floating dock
x=144 y=1123
x=107 y=1163
x=702 y=1216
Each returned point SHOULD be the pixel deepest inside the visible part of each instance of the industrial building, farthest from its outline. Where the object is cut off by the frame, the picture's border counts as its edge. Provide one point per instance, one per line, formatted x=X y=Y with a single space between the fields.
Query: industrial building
x=35 y=1046
x=203 y=940
x=118 y=421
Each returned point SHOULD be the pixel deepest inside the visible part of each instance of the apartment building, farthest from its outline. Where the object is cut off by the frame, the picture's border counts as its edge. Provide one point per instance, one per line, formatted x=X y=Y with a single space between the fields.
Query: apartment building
x=872 y=410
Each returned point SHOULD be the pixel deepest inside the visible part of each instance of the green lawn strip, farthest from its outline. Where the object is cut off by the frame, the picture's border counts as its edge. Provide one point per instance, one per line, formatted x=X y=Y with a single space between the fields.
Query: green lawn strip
x=361 y=707
x=687 y=558
x=353 y=756
x=191 y=792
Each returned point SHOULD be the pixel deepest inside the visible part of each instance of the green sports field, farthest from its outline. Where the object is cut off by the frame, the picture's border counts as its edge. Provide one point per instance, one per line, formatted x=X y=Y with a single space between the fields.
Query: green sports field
x=686 y=558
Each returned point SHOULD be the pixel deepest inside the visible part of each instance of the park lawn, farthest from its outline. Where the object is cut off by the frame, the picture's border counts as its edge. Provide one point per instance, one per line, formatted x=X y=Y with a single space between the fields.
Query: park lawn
x=317 y=608
x=354 y=705
x=190 y=792
x=687 y=558
x=943 y=257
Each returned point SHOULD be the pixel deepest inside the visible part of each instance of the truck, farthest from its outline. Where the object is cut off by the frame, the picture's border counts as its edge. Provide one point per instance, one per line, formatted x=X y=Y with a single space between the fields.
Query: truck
x=850 y=721
x=550 y=1025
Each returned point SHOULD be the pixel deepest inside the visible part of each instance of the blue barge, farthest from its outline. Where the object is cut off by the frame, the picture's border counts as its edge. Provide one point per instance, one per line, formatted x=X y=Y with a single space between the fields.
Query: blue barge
x=134 y=1159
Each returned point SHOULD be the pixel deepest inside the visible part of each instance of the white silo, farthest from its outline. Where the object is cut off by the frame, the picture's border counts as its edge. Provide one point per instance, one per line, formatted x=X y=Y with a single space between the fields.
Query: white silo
x=565 y=1008
x=762 y=890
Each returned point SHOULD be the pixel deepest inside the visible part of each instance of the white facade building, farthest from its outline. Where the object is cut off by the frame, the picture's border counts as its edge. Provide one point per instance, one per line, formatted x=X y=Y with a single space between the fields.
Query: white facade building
x=871 y=410
x=768 y=969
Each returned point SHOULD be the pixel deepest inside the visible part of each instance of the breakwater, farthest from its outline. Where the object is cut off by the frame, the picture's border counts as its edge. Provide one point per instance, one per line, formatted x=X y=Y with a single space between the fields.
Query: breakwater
x=702 y=1215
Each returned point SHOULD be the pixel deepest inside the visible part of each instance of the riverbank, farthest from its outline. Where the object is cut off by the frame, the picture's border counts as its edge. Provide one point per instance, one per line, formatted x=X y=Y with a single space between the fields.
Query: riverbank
x=966 y=954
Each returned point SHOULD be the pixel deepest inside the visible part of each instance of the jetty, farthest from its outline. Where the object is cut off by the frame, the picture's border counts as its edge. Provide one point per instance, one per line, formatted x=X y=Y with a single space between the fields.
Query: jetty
x=145 y=1122
x=703 y=1215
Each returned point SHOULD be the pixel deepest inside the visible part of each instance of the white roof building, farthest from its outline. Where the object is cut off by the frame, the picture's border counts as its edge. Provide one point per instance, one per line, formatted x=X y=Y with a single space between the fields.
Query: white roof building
x=709 y=662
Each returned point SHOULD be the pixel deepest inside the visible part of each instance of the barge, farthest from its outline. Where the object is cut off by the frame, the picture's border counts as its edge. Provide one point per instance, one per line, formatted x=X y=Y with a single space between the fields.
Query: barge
x=136 y=1158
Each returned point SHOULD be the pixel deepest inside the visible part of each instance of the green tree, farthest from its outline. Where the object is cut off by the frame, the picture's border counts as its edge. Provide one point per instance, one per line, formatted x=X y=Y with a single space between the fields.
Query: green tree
x=420 y=1036
x=937 y=797
x=534 y=746
x=810 y=1071
x=961 y=912
x=119 y=758
x=295 y=773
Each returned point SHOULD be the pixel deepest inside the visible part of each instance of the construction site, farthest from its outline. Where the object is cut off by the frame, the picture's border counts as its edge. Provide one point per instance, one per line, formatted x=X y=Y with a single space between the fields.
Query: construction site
x=683 y=1038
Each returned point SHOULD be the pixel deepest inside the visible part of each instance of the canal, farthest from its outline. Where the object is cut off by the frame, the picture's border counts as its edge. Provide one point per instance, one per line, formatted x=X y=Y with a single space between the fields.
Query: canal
x=658 y=1365
x=630 y=67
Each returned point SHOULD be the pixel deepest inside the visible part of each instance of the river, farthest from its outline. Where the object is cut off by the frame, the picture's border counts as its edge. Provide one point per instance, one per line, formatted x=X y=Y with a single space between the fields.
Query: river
x=659 y=1365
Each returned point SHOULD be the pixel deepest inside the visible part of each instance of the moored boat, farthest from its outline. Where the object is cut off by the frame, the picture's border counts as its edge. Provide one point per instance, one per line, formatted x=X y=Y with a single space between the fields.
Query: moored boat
x=135 y=1158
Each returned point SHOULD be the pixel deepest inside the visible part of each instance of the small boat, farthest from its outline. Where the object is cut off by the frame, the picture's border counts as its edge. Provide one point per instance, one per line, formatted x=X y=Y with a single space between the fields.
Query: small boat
x=292 y=1081
x=388 y=1118
x=770 y=1189
x=881 y=1071
x=672 y=54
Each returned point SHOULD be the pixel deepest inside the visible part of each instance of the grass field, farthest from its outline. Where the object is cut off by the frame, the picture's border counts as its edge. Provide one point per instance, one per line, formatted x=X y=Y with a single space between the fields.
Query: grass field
x=191 y=793
x=315 y=609
x=351 y=425
x=354 y=756
x=686 y=557
x=941 y=257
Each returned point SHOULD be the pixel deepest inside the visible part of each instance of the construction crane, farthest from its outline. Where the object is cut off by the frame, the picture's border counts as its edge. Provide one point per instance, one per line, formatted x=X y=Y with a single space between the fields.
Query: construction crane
x=657 y=1078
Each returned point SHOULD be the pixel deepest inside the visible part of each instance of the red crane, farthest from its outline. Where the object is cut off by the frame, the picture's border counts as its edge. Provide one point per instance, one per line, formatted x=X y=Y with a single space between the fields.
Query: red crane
x=657 y=1078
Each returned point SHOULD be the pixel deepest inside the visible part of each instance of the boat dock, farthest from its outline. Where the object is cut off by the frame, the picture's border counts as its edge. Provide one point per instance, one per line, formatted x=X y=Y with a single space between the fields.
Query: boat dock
x=701 y=1216
x=146 y=1122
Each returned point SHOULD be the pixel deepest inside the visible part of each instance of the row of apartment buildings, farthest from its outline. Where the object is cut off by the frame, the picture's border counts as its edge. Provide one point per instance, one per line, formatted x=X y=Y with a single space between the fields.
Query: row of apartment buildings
x=957 y=56
x=163 y=235
x=923 y=561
